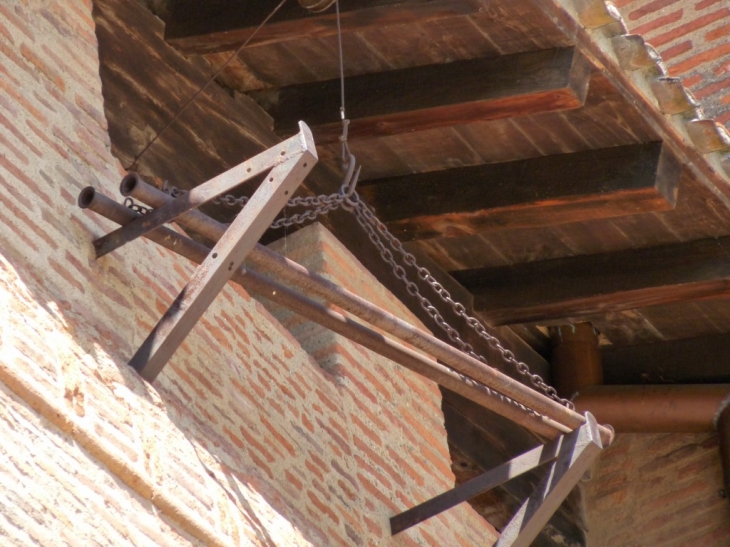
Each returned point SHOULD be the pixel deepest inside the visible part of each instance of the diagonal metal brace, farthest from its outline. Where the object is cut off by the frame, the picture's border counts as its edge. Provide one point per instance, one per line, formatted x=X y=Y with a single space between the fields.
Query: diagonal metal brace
x=571 y=454
x=291 y=164
x=289 y=150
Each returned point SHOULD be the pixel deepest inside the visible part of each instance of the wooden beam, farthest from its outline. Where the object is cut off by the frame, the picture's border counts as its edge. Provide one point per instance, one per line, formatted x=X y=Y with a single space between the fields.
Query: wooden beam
x=529 y=193
x=418 y=98
x=207 y=27
x=690 y=361
x=567 y=288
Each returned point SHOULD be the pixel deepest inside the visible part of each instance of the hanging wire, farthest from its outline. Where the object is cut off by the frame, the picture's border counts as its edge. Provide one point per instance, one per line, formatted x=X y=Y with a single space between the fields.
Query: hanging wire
x=346 y=156
x=192 y=99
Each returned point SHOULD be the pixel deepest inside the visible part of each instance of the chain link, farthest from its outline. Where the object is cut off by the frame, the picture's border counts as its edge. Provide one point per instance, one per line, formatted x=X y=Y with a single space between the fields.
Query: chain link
x=317 y=205
x=348 y=199
x=129 y=203
x=375 y=229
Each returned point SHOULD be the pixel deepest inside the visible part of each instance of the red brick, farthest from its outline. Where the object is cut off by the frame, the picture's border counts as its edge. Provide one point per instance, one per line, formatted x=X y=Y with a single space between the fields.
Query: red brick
x=650 y=7
x=676 y=51
x=701 y=58
x=43 y=68
x=720 y=32
x=322 y=508
x=712 y=89
x=19 y=22
x=659 y=22
x=683 y=30
x=705 y=4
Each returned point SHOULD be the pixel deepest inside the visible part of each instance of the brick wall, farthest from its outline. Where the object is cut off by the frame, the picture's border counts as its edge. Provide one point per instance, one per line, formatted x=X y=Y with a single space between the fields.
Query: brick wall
x=663 y=490
x=251 y=436
x=658 y=490
x=693 y=37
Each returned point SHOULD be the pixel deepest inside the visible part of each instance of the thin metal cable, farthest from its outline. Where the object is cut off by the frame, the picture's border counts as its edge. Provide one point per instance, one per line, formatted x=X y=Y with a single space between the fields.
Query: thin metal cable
x=192 y=99
x=345 y=122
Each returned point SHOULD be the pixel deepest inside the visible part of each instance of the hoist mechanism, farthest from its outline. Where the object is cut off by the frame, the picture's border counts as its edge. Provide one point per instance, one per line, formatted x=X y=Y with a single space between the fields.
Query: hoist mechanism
x=574 y=440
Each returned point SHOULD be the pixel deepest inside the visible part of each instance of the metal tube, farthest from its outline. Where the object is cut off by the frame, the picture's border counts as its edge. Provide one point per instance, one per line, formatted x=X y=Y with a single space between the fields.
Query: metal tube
x=293 y=273
x=655 y=408
x=335 y=321
x=576 y=360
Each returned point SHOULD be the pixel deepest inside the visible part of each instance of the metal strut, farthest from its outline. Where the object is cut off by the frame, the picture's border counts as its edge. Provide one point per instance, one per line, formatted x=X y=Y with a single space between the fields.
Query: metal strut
x=289 y=163
x=571 y=456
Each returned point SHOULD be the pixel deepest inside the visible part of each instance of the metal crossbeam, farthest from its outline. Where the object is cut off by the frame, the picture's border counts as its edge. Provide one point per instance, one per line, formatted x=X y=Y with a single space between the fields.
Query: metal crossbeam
x=571 y=454
x=291 y=162
x=292 y=149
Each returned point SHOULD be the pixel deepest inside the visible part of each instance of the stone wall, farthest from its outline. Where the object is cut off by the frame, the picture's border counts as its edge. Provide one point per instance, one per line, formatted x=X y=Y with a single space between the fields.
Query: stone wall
x=250 y=436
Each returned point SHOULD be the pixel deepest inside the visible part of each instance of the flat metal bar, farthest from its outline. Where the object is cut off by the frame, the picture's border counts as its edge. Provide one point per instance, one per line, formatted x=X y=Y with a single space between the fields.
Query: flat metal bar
x=337 y=322
x=285 y=152
x=295 y=274
x=218 y=267
x=577 y=453
x=478 y=485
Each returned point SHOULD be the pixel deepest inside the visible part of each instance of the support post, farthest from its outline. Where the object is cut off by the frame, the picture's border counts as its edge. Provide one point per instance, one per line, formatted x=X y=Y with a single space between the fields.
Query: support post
x=572 y=454
x=291 y=150
x=576 y=455
x=227 y=255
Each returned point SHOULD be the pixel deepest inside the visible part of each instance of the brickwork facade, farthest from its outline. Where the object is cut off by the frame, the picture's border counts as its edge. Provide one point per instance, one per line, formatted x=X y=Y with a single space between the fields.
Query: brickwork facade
x=663 y=490
x=251 y=435
x=693 y=38
x=658 y=490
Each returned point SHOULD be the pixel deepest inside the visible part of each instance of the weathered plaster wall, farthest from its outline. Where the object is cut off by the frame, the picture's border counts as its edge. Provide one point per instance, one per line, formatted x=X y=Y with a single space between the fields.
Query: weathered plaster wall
x=693 y=38
x=246 y=438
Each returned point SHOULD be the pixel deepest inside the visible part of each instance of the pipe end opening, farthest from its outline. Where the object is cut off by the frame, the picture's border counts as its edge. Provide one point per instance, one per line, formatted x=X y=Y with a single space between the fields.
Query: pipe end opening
x=86 y=197
x=128 y=184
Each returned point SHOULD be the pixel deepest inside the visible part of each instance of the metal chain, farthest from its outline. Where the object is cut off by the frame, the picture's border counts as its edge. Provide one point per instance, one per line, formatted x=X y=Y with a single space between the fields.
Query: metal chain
x=348 y=199
x=375 y=229
x=129 y=203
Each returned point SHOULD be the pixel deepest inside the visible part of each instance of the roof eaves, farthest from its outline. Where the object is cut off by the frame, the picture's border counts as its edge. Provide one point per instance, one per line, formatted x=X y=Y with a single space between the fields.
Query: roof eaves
x=639 y=73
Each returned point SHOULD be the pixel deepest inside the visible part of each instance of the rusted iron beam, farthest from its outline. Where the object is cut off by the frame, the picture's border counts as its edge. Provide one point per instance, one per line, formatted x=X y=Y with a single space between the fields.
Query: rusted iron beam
x=572 y=455
x=226 y=256
x=285 y=152
x=310 y=283
x=336 y=322
x=576 y=454
x=478 y=485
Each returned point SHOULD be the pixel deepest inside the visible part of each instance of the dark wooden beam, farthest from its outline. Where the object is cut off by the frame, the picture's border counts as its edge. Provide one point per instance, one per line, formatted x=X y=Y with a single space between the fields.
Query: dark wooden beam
x=213 y=26
x=529 y=193
x=694 y=360
x=567 y=288
x=418 y=98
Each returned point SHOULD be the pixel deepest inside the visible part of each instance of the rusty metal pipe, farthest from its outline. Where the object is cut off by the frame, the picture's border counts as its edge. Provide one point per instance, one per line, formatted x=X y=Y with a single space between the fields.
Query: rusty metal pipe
x=723 y=433
x=311 y=283
x=655 y=408
x=473 y=390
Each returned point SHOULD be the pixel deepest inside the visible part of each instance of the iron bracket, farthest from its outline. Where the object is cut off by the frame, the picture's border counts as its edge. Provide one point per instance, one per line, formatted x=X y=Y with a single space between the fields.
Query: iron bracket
x=289 y=163
x=571 y=455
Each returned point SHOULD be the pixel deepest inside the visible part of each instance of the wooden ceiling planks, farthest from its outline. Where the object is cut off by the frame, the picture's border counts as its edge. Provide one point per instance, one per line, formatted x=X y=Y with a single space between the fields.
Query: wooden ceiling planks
x=607 y=119
x=437 y=95
x=544 y=191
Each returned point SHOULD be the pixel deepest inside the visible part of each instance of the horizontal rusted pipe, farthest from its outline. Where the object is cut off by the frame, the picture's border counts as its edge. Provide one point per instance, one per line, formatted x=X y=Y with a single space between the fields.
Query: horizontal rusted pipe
x=311 y=283
x=723 y=433
x=655 y=408
x=252 y=281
